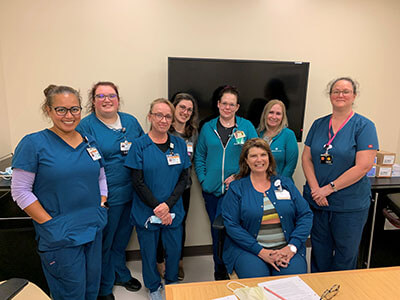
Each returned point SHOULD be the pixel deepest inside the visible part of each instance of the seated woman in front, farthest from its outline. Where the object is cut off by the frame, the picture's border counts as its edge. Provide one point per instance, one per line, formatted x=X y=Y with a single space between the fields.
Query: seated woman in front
x=266 y=219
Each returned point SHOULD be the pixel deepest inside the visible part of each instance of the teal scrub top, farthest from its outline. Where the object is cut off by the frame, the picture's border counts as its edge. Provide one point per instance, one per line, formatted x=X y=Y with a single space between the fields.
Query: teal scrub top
x=66 y=185
x=119 y=180
x=159 y=177
x=358 y=134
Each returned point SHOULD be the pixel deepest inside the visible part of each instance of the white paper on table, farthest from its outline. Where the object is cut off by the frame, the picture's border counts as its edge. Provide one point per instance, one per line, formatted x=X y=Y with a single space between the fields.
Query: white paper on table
x=232 y=297
x=292 y=288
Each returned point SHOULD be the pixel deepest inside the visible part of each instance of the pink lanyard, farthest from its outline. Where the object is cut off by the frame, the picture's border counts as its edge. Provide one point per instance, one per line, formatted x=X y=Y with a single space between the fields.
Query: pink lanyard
x=341 y=126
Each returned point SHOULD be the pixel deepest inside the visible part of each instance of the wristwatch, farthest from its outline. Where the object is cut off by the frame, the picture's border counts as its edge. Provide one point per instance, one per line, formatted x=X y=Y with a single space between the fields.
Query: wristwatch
x=333 y=186
x=292 y=248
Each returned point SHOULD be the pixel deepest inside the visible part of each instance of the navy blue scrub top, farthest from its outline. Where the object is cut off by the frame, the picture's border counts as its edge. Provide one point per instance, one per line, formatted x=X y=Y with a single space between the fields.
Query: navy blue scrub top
x=159 y=177
x=119 y=180
x=358 y=134
x=66 y=185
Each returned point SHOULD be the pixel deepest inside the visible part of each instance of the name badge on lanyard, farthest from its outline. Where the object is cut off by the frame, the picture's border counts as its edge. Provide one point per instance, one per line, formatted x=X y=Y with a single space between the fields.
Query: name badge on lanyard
x=280 y=193
x=189 y=146
x=94 y=154
x=173 y=159
x=239 y=136
x=125 y=146
x=326 y=158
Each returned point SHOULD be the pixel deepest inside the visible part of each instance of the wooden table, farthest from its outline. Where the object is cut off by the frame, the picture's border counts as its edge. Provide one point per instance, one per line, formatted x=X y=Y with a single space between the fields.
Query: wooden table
x=380 y=283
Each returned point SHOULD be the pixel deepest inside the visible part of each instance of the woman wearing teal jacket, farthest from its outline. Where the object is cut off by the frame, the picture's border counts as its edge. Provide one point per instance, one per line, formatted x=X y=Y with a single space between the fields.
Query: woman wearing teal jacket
x=114 y=131
x=282 y=140
x=217 y=159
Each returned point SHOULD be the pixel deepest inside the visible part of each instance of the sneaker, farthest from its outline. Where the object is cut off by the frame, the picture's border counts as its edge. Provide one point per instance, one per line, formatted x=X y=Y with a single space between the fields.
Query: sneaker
x=106 y=297
x=133 y=285
x=156 y=295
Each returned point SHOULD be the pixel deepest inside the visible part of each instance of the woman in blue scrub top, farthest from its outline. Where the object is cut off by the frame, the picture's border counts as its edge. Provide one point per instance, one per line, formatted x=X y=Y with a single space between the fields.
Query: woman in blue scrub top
x=282 y=141
x=160 y=169
x=266 y=219
x=114 y=132
x=59 y=181
x=185 y=126
x=339 y=150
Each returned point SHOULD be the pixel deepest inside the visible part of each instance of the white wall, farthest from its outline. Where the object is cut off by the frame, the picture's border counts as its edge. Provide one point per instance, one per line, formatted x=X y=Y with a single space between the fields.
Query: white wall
x=79 y=42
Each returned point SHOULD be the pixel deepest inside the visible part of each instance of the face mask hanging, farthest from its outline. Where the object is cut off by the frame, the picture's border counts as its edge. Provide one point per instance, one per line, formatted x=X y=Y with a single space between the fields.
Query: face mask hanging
x=246 y=292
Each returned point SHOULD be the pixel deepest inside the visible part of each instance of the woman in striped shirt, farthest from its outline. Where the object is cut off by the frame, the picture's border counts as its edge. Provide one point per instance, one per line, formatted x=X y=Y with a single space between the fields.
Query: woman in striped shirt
x=266 y=218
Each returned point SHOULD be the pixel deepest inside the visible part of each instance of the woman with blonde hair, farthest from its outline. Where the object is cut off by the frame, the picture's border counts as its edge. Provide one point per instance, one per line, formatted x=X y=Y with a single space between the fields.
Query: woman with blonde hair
x=274 y=130
x=160 y=169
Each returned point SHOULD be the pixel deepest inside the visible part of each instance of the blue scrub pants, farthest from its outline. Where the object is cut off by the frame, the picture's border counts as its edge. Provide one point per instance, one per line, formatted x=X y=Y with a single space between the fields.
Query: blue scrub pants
x=116 y=236
x=171 y=238
x=335 y=238
x=213 y=207
x=74 y=273
x=249 y=265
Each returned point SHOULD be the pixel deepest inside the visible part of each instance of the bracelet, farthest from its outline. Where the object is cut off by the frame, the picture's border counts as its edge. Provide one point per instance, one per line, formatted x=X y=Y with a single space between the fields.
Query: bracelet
x=333 y=186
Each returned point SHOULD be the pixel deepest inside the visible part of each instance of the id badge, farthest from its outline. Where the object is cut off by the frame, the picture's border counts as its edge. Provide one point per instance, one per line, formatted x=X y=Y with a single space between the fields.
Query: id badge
x=326 y=159
x=239 y=136
x=282 y=195
x=125 y=146
x=94 y=154
x=189 y=148
x=173 y=159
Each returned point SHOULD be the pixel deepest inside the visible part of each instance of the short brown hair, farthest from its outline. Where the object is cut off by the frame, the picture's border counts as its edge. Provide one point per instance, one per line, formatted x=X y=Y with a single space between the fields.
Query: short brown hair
x=244 y=169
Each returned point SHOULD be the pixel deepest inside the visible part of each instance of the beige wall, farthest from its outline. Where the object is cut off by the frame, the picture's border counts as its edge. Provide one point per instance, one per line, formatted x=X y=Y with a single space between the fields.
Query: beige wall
x=78 y=42
x=5 y=140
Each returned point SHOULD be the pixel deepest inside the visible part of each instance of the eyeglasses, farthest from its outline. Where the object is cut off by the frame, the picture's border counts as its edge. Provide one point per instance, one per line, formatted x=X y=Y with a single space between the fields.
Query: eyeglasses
x=329 y=294
x=62 y=111
x=345 y=92
x=109 y=96
x=225 y=104
x=160 y=116
x=184 y=108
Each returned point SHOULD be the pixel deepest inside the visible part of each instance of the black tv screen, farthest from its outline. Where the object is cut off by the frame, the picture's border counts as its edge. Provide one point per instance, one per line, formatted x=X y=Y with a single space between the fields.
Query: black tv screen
x=257 y=81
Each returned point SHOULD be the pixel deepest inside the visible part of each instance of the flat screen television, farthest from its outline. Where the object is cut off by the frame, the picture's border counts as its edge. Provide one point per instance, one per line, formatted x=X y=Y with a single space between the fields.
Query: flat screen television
x=258 y=81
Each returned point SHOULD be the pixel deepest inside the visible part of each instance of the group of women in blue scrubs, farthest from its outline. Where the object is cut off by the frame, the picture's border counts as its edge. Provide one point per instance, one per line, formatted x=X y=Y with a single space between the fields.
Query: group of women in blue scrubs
x=339 y=150
x=266 y=218
x=58 y=180
x=114 y=132
x=160 y=168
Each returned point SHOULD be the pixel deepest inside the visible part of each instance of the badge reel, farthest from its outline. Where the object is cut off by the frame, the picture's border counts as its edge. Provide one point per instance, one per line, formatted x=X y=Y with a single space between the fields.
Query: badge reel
x=125 y=146
x=326 y=158
x=189 y=147
x=173 y=159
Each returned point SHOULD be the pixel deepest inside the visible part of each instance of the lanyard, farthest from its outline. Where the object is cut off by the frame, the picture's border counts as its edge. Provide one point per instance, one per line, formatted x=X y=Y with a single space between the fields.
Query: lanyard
x=341 y=126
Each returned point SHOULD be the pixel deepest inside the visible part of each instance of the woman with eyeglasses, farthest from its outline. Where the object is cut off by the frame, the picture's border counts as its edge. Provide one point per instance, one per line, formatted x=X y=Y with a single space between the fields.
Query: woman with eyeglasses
x=114 y=132
x=160 y=168
x=339 y=151
x=274 y=130
x=217 y=159
x=59 y=181
x=185 y=126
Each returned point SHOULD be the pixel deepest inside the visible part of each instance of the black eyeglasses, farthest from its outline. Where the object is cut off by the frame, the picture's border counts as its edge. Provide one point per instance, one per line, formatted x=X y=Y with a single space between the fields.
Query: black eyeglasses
x=329 y=294
x=62 y=111
x=160 y=116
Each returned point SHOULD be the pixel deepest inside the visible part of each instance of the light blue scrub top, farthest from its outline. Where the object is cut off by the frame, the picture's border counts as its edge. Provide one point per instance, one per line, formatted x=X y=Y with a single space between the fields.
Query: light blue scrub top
x=357 y=135
x=66 y=185
x=159 y=177
x=119 y=181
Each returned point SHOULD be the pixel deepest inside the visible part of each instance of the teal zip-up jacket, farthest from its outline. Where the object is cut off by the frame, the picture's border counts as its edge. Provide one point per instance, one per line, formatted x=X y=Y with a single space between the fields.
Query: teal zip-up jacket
x=285 y=151
x=213 y=162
